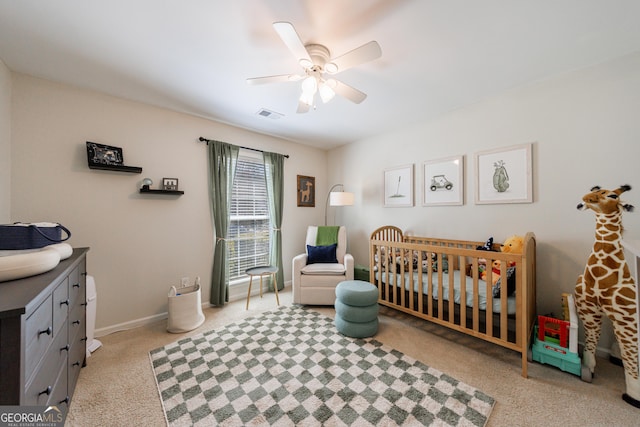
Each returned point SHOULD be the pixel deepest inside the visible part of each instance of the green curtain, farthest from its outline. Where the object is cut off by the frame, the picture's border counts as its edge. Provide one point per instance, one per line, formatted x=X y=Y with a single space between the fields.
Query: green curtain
x=223 y=158
x=274 y=175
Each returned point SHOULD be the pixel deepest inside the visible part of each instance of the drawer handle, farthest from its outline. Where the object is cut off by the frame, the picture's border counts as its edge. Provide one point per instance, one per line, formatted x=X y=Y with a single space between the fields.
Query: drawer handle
x=47 y=391
x=65 y=348
x=76 y=364
x=64 y=302
x=46 y=331
x=75 y=322
x=84 y=304
x=83 y=274
x=66 y=401
x=76 y=285
x=83 y=339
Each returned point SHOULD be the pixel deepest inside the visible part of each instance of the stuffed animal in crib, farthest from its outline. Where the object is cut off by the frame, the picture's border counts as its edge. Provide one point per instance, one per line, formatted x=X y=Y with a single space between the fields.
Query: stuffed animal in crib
x=513 y=245
x=495 y=272
x=488 y=246
x=606 y=288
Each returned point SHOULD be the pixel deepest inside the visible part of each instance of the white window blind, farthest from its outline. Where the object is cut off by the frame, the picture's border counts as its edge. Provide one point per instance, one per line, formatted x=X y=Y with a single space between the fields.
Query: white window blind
x=248 y=238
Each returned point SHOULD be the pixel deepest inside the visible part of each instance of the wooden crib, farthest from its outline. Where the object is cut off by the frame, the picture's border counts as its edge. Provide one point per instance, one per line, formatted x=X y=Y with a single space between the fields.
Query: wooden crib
x=412 y=272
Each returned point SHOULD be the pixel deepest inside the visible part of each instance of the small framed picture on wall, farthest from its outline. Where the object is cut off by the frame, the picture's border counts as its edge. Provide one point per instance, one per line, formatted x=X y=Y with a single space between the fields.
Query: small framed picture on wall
x=398 y=186
x=306 y=191
x=504 y=175
x=443 y=182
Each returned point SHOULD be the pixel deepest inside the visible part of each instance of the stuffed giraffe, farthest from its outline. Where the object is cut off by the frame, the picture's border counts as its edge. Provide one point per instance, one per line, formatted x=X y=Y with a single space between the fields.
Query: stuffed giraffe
x=607 y=287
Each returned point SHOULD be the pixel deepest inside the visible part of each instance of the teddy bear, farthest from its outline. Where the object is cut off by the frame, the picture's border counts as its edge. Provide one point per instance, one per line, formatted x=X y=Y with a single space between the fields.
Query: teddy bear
x=513 y=245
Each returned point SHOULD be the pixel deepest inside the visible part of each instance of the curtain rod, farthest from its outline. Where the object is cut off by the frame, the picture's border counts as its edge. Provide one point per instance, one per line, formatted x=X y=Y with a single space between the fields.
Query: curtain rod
x=246 y=148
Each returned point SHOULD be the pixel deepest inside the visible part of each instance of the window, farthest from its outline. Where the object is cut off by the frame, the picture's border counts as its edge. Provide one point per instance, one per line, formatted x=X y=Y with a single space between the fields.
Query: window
x=248 y=238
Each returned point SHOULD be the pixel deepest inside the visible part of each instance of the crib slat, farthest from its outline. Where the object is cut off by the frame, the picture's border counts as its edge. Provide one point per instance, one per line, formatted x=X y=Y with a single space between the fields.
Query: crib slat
x=462 y=262
x=504 y=293
x=452 y=312
x=430 y=284
x=489 y=311
x=440 y=292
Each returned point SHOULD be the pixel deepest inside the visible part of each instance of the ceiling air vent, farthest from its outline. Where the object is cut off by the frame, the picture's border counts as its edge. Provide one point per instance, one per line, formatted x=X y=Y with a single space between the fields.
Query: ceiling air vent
x=269 y=114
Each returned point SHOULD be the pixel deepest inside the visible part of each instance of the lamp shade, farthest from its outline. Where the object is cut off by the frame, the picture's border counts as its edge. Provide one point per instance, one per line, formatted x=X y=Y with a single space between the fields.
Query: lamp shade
x=341 y=198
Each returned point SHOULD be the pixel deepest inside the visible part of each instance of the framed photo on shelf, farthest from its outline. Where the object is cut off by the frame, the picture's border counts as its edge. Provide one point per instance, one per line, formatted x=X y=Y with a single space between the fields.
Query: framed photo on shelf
x=504 y=175
x=443 y=182
x=398 y=186
x=306 y=191
x=104 y=155
x=169 y=183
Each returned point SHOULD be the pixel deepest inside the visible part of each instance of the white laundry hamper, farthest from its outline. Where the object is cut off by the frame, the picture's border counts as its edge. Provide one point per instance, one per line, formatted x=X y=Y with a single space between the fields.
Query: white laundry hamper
x=185 y=309
x=92 y=301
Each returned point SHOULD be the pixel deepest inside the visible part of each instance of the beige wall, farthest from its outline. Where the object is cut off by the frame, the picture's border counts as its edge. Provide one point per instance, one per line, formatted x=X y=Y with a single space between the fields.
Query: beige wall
x=140 y=244
x=5 y=143
x=586 y=132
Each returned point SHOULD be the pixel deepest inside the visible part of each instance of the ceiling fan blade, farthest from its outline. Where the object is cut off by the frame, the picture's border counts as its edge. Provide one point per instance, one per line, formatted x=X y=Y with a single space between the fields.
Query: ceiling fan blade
x=290 y=37
x=365 y=53
x=344 y=90
x=274 y=79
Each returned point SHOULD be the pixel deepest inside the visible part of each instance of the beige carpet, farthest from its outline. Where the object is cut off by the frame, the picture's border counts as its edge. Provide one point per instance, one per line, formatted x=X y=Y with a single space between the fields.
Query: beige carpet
x=117 y=387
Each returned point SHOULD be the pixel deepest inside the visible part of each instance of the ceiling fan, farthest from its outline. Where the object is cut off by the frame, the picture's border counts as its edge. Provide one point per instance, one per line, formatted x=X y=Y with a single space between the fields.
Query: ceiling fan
x=319 y=67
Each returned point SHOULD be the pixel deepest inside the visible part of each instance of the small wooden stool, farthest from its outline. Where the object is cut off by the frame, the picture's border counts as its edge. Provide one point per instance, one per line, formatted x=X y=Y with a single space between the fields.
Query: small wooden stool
x=263 y=270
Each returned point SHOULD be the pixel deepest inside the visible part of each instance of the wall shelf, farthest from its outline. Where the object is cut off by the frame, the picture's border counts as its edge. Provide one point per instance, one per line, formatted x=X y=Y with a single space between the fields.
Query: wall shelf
x=116 y=168
x=173 y=192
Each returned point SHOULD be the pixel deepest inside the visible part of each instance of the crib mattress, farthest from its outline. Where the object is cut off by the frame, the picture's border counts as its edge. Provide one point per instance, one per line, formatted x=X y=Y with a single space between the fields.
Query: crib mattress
x=396 y=279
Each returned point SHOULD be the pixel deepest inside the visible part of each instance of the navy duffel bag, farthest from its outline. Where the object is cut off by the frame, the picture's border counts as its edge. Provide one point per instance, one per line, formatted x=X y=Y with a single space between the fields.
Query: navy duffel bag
x=20 y=235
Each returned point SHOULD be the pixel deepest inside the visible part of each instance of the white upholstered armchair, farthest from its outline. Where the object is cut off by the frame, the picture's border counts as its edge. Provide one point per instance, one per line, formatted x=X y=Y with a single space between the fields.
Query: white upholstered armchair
x=315 y=284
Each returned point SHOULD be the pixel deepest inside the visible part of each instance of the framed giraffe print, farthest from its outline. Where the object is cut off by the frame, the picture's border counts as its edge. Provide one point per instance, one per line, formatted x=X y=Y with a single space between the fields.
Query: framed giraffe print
x=306 y=191
x=504 y=175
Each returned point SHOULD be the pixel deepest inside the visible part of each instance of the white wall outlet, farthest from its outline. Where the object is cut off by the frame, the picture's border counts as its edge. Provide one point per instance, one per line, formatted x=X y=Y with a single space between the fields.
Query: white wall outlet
x=184 y=281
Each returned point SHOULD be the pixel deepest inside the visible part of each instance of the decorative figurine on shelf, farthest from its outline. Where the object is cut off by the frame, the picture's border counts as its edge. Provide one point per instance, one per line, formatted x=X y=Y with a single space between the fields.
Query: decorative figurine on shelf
x=607 y=287
x=146 y=183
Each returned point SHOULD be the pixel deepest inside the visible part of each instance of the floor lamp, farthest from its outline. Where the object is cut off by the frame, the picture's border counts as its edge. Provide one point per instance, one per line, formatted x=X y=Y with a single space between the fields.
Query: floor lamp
x=337 y=198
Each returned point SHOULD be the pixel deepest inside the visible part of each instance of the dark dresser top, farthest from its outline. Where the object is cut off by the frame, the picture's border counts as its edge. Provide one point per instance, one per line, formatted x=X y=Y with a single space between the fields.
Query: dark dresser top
x=23 y=295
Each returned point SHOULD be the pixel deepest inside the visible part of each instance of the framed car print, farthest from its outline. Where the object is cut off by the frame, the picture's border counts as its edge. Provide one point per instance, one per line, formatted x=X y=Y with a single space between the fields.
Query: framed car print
x=443 y=182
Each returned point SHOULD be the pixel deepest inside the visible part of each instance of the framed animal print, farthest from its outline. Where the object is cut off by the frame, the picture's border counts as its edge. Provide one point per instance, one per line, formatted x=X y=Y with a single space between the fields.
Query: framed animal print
x=306 y=191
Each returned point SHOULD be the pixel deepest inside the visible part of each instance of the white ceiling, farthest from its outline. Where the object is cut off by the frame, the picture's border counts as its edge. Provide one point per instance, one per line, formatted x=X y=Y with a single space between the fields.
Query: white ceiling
x=193 y=56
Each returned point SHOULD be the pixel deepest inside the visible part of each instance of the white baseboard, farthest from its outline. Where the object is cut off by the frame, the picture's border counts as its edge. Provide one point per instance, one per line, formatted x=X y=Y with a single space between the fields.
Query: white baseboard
x=131 y=324
x=237 y=292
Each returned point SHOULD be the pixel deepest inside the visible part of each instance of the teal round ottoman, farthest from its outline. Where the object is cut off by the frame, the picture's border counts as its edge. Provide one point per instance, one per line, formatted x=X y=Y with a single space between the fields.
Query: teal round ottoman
x=356 y=309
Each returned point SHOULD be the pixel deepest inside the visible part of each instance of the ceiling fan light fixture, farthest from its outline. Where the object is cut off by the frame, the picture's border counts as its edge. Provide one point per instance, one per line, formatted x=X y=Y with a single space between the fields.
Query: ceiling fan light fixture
x=331 y=68
x=310 y=85
x=326 y=93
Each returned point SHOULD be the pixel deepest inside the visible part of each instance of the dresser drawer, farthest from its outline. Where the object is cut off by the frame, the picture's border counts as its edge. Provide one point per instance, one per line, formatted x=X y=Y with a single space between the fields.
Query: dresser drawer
x=77 y=323
x=60 y=395
x=60 y=305
x=77 y=355
x=77 y=292
x=41 y=386
x=39 y=335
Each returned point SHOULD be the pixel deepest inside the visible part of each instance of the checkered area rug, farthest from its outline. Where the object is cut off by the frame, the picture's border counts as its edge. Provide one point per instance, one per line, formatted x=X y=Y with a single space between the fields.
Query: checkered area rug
x=291 y=367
